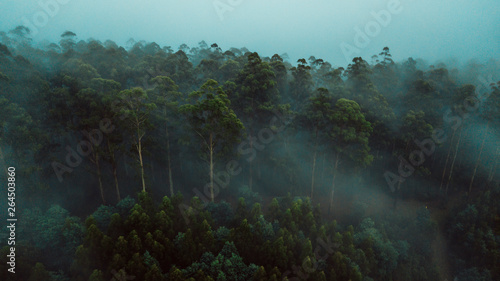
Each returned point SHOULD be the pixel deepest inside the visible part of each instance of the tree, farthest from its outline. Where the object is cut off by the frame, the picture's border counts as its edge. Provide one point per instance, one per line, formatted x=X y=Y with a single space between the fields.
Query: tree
x=90 y=110
x=214 y=122
x=255 y=98
x=135 y=110
x=108 y=92
x=317 y=118
x=167 y=98
x=39 y=273
x=67 y=41
x=491 y=113
x=301 y=85
x=349 y=136
x=374 y=104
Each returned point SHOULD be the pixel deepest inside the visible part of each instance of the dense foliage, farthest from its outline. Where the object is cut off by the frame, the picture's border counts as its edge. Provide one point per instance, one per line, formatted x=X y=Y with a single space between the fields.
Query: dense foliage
x=272 y=155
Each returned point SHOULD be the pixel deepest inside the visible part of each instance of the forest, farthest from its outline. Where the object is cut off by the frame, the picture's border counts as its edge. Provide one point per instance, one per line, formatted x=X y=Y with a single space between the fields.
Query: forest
x=149 y=162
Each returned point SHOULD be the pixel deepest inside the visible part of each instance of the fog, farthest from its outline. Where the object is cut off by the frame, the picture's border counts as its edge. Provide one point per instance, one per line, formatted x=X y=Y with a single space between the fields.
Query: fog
x=421 y=29
x=371 y=127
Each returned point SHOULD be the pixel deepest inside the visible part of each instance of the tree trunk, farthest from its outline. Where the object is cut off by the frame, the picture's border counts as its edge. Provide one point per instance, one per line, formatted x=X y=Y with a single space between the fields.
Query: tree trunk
x=478 y=159
x=139 y=150
x=211 y=169
x=95 y=159
x=114 y=166
x=170 y=181
x=447 y=158
x=453 y=162
x=117 y=189
x=494 y=166
x=314 y=161
x=250 y=179
x=323 y=168
x=462 y=159
x=330 y=209
x=99 y=177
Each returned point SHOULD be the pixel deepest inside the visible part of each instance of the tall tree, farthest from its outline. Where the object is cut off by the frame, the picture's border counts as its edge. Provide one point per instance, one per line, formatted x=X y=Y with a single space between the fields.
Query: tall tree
x=349 y=136
x=255 y=98
x=301 y=85
x=135 y=109
x=108 y=93
x=317 y=118
x=167 y=98
x=215 y=123
x=374 y=105
x=491 y=113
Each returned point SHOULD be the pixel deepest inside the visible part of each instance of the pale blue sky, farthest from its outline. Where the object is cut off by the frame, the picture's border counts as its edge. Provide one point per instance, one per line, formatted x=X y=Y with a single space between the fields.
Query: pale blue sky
x=422 y=29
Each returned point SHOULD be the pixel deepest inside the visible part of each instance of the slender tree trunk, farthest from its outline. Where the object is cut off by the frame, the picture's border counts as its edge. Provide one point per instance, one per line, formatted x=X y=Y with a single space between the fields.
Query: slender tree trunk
x=250 y=179
x=330 y=209
x=169 y=165
x=323 y=168
x=99 y=177
x=453 y=162
x=314 y=161
x=464 y=137
x=494 y=166
x=117 y=189
x=139 y=150
x=447 y=158
x=478 y=159
x=114 y=166
x=170 y=181
x=211 y=169
x=95 y=159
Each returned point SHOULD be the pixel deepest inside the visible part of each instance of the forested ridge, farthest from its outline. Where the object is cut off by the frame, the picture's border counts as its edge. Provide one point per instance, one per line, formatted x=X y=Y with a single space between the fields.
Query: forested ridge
x=198 y=163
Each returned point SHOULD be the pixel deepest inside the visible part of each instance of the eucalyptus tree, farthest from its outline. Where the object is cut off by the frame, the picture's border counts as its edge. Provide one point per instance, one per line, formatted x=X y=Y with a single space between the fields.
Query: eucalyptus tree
x=491 y=113
x=67 y=41
x=374 y=105
x=281 y=73
x=167 y=96
x=349 y=137
x=214 y=122
x=108 y=93
x=135 y=109
x=317 y=120
x=255 y=98
x=302 y=83
x=462 y=101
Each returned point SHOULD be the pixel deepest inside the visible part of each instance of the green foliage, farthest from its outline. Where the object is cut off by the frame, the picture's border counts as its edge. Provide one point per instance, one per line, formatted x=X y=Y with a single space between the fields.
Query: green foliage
x=227 y=265
x=136 y=102
x=103 y=215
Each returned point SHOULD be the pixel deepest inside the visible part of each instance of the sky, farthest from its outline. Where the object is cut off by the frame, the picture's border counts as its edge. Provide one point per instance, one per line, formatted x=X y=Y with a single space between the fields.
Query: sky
x=335 y=31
